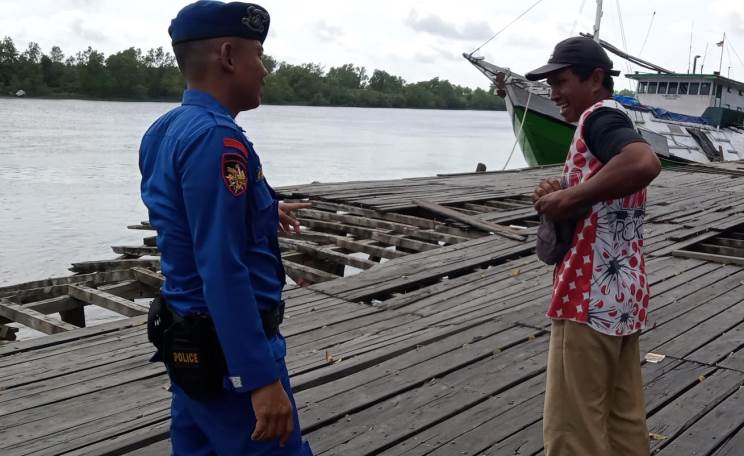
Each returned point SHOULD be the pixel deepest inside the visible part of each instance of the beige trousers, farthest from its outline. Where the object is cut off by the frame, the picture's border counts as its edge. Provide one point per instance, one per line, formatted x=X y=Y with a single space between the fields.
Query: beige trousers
x=594 y=394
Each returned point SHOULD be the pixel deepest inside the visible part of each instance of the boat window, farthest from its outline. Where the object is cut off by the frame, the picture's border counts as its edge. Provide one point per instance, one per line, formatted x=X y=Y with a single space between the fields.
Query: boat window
x=672 y=89
x=662 y=88
x=651 y=87
x=642 y=87
x=694 y=88
x=683 y=88
x=704 y=88
x=741 y=93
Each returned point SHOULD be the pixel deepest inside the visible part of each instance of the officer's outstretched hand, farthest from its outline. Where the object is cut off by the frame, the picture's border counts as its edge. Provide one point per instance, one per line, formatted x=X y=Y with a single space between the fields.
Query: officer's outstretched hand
x=287 y=223
x=273 y=413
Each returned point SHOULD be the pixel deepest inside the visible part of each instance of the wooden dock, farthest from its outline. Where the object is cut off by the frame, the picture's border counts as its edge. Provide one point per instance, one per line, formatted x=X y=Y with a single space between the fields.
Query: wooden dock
x=420 y=332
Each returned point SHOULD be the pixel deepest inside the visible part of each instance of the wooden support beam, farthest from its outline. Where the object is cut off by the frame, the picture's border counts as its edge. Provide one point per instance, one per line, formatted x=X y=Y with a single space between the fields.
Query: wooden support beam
x=728 y=241
x=472 y=221
x=709 y=257
x=8 y=333
x=419 y=222
x=325 y=253
x=142 y=226
x=369 y=249
x=310 y=275
x=148 y=277
x=32 y=319
x=74 y=316
x=368 y=233
x=106 y=300
x=43 y=287
x=345 y=242
x=709 y=247
x=113 y=265
x=409 y=230
x=139 y=251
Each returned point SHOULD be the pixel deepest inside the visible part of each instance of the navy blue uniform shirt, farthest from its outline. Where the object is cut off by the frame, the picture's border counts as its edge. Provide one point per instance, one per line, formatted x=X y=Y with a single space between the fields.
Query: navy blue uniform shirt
x=216 y=219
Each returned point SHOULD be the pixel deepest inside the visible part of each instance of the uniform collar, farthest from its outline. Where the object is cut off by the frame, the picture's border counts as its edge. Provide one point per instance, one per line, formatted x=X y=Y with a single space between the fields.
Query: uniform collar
x=199 y=98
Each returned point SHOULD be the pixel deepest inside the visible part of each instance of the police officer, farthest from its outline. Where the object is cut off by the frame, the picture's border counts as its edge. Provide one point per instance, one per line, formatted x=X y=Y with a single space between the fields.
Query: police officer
x=217 y=220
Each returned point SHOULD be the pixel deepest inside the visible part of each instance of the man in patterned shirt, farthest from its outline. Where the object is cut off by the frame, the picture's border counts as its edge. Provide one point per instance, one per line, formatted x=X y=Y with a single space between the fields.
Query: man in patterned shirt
x=594 y=402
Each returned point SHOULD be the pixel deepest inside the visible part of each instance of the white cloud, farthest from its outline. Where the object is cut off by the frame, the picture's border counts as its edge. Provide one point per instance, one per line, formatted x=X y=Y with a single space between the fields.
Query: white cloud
x=435 y=25
x=327 y=32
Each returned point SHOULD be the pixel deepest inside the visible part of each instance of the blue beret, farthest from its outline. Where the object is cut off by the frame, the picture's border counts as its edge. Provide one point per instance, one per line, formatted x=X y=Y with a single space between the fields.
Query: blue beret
x=212 y=19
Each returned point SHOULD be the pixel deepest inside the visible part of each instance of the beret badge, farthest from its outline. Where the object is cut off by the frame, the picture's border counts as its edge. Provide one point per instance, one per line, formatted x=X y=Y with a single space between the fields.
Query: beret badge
x=256 y=19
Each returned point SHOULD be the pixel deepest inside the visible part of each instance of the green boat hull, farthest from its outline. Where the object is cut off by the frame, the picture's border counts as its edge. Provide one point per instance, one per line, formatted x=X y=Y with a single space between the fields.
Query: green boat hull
x=545 y=140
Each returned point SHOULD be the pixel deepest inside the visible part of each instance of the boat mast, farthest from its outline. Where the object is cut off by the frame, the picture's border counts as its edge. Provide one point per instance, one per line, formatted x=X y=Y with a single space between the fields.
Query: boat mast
x=597 y=20
x=721 y=44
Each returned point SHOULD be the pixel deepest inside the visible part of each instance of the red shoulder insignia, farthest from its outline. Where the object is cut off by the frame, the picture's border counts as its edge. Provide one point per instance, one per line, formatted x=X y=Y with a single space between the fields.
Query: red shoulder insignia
x=234 y=173
x=235 y=144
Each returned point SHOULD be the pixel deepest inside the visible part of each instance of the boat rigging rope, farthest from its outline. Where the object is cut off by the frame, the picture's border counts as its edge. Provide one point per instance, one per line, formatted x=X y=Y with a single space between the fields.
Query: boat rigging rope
x=519 y=131
x=735 y=53
x=507 y=26
x=576 y=21
x=625 y=43
x=728 y=51
x=648 y=32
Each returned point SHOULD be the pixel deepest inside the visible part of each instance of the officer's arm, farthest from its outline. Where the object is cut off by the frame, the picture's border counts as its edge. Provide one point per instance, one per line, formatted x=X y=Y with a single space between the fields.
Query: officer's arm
x=215 y=191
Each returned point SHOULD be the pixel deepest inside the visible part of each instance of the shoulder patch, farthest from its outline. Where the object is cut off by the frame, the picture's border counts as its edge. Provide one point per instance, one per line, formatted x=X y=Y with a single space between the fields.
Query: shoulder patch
x=235 y=144
x=234 y=175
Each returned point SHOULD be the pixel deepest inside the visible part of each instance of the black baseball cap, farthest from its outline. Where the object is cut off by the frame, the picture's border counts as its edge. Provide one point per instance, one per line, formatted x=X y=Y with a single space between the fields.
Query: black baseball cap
x=576 y=51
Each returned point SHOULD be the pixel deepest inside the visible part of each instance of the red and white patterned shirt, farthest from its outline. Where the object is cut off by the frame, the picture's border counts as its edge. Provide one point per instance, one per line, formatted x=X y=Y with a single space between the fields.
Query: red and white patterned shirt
x=602 y=280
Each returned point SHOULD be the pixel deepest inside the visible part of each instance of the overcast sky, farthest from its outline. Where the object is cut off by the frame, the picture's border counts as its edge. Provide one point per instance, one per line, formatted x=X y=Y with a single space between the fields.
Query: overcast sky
x=418 y=40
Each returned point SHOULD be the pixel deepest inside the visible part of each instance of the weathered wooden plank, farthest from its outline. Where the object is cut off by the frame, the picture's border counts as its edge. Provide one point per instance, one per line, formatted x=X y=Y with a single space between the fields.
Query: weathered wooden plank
x=475 y=429
x=324 y=253
x=106 y=300
x=135 y=251
x=732 y=447
x=709 y=257
x=672 y=420
x=148 y=277
x=420 y=222
x=308 y=274
x=110 y=265
x=325 y=404
x=368 y=233
x=377 y=428
x=704 y=435
x=472 y=221
x=32 y=319
x=38 y=286
x=409 y=230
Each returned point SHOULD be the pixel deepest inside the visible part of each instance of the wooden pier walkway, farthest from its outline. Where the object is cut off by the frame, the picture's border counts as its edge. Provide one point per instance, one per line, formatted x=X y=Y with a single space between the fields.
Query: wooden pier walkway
x=433 y=342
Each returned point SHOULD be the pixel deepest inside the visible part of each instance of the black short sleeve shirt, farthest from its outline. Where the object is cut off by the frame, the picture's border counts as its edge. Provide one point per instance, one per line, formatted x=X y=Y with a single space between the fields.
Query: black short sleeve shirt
x=607 y=131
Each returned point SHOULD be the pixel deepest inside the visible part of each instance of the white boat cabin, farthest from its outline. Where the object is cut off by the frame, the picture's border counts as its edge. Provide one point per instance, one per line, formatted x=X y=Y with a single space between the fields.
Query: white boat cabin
x=708 y=95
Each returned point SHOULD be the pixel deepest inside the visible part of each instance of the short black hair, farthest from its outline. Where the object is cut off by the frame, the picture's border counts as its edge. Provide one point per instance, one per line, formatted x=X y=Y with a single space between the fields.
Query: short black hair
x=183 y=53
x=584 y=72
x=191 y=57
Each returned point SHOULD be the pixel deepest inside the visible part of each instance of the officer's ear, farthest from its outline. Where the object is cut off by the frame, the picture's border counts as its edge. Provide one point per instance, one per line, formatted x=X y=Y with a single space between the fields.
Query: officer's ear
x=227 y=56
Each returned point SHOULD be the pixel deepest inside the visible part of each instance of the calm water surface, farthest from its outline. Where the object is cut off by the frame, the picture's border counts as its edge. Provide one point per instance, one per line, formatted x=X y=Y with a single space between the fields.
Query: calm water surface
x=69 y=182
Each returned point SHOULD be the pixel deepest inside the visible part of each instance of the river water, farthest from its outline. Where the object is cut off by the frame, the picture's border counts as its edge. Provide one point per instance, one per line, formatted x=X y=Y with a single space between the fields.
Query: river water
x=69 y=181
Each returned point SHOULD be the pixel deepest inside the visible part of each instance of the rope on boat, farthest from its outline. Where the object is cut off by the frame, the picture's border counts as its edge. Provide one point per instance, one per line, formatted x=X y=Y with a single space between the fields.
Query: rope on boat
x=576 y=21
x=519 y=132
x=507 y=26
x=648 y=32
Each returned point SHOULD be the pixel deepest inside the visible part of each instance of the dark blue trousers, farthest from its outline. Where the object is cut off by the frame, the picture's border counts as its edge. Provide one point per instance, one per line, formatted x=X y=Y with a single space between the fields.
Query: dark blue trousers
x=224 y=426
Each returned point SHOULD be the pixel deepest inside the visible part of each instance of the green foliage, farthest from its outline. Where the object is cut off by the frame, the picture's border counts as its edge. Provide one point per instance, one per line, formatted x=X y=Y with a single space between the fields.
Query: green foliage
x=153 y=75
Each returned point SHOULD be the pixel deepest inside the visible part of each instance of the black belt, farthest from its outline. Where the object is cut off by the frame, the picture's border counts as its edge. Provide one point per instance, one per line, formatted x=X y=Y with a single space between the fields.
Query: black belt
x=270 y=319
